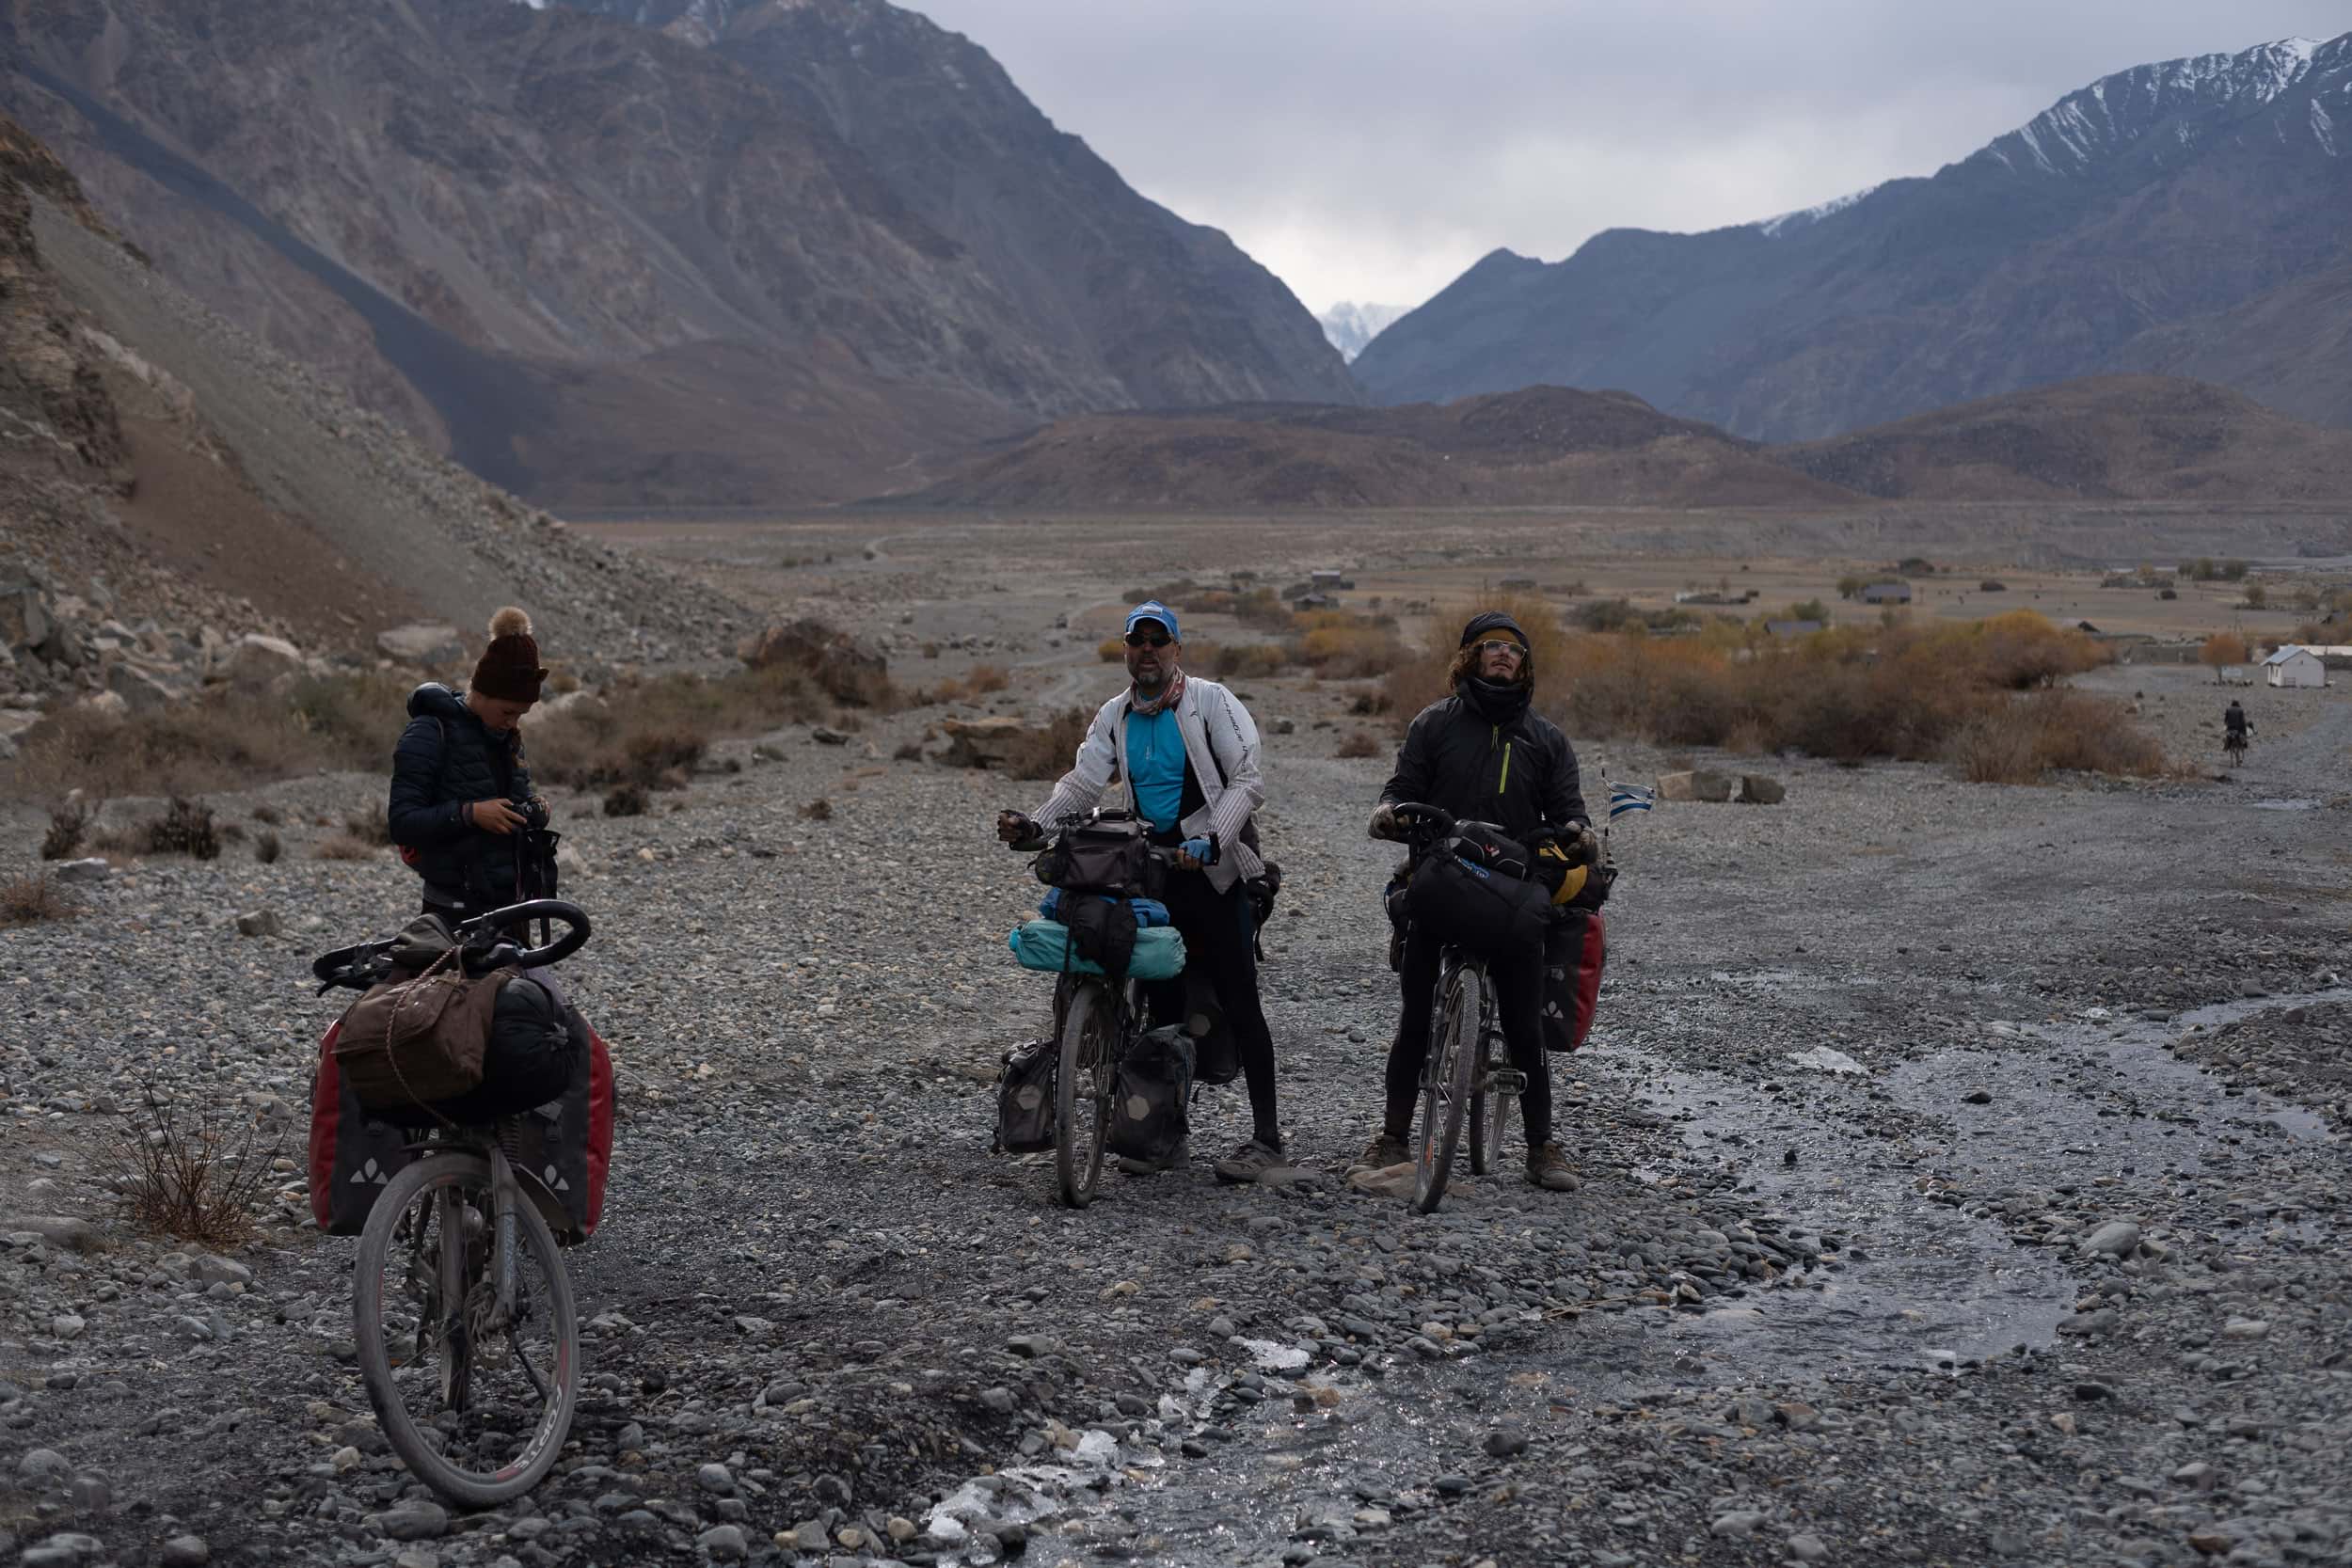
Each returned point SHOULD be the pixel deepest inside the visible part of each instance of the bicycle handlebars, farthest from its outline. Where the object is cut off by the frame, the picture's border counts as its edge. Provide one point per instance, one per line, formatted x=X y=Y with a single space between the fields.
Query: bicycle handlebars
x=575 y=936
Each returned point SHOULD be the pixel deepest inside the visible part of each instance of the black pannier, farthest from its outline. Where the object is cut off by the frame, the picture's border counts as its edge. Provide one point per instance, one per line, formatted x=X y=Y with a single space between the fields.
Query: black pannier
x=1149 y=1095
x=1024 y=1098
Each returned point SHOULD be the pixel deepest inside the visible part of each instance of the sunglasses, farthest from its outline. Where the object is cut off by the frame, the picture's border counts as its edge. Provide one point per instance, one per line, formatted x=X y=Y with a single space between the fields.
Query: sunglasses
x=1147 y=640
x=1502 y=644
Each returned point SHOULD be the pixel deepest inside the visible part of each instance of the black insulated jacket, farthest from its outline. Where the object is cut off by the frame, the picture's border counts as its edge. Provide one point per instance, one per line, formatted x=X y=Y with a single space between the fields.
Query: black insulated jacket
x=446 y=757
x=1520 y=774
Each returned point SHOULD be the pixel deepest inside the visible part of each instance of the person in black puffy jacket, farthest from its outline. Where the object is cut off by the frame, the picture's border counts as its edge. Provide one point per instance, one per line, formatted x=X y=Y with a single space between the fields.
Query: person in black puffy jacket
x=461 y=793
x=1484 y=755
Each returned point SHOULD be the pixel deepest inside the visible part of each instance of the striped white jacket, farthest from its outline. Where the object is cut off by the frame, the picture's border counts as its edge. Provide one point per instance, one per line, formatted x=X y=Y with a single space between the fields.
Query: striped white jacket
x=1221 y=741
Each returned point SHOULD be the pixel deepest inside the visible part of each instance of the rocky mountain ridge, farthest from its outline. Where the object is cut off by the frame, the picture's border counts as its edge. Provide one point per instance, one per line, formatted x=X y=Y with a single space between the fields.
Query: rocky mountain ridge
x=769 y=253
x=2186 y=218
x=1350 y=325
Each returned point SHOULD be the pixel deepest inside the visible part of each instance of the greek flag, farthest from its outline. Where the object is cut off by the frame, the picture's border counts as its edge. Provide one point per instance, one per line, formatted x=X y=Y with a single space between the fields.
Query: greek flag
x=1626 y=797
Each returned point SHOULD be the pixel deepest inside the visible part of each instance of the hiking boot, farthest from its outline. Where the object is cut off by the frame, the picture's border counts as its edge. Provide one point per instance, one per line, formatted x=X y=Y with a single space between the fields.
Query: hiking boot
x=1176 y=1159
x=1548 y=1168
x=1250 y=1161
x=1383 y=1151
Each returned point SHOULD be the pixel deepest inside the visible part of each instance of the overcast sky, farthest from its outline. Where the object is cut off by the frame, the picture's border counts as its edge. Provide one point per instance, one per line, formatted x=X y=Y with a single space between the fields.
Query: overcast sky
x=1370 y=149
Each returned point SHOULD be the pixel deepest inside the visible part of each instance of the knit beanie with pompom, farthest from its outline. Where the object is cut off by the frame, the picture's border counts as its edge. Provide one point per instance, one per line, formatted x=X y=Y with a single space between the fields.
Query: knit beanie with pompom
x=509 y=668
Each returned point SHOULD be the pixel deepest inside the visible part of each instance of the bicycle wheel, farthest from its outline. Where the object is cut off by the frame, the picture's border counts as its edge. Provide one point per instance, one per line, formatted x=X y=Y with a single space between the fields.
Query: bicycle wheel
x=1082 y=1094
x=1490 y=1102
x=1447 y=1076
x=478 y=1409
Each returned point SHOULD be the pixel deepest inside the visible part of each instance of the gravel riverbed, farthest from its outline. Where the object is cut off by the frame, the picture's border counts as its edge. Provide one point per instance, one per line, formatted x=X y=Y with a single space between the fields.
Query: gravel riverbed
x=1964 y=1182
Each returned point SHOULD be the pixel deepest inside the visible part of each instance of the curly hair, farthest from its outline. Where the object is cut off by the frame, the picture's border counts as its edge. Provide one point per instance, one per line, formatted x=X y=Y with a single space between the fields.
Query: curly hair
x=1465 y=665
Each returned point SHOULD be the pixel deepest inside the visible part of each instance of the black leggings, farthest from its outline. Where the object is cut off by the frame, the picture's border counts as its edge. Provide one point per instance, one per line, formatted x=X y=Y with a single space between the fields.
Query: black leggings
x=1519 y=998
x=1220 y=943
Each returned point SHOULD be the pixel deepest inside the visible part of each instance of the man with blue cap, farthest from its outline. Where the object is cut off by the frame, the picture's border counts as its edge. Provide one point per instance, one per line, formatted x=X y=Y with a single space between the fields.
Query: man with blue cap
x=1189 y=752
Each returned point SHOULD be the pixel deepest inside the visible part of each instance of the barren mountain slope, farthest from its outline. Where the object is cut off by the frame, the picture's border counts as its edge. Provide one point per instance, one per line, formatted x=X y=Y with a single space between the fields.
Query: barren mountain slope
x=2131 y=438
x=204 y=481
x=602 y=264
x=1542 y=446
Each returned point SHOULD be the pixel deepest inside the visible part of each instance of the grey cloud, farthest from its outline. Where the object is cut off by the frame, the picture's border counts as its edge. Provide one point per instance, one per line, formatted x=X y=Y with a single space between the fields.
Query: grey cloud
x=1370 y=150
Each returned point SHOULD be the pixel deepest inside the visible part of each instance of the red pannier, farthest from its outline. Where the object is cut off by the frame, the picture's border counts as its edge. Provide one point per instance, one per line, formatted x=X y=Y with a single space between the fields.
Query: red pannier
x=567 y=1145
x=1575 y=950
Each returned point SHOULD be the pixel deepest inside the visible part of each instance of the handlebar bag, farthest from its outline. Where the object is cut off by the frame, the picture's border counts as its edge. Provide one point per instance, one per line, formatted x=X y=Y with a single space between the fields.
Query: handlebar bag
x=1109 y=858
x=1476 y=907
x=1486 y=844
x=1024 y=1098
x=411 y=1042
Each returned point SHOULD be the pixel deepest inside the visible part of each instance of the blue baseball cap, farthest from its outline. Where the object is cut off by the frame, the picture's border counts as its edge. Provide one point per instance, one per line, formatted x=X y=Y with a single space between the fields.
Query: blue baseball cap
x=1152 y=610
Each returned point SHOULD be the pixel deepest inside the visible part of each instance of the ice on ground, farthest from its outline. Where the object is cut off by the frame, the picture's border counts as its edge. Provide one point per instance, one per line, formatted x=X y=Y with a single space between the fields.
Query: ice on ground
x=1822 y=1059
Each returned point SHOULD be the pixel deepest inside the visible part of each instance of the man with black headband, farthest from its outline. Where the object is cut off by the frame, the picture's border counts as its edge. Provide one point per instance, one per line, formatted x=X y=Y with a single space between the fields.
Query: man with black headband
x=1483 y=755
x=1188 y=751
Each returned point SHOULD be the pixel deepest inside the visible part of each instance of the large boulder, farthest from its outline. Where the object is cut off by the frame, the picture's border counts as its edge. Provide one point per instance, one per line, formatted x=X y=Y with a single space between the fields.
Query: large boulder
x=257 y=660
x=848 y=669
x=141 y=689
x=983 y=742
x=1695 y=787
x=426 y=645
x=1760 y=790
x=25 y=616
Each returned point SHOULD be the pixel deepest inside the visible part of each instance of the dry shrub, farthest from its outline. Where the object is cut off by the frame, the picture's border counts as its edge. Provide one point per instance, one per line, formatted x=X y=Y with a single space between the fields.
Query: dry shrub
x=1915 y=693
x=33 y=901
x=268 y=813
x=1047 y=751
x=1111 y=650
x=627 y=799
x=645 y=730
x=185 y=828
x=1247 y=661
x=344 y=847
x=909 y=750
x=1359 y=743
x=220 y=740
x=197 y=1178
x=986 y=678
x=819 y=809
x=1337 y=644
x=67 y=824
x=266 y=849
x=982 y=680
x=1987 y=750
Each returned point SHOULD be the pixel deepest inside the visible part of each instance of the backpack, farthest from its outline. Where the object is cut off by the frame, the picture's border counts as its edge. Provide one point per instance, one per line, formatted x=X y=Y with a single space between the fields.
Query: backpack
x=1149 y=1095
x=1024 y=1098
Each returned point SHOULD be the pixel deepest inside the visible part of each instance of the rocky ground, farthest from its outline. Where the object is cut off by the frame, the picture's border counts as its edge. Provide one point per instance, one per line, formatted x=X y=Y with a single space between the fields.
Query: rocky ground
x=1963 y=1183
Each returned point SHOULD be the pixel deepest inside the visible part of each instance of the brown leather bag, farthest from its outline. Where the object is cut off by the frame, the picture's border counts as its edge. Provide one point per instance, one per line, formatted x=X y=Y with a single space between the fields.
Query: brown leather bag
x=413 y=1042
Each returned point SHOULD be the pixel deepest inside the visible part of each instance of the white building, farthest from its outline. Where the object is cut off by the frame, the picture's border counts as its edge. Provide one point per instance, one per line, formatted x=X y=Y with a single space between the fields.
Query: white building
x=2294 y=666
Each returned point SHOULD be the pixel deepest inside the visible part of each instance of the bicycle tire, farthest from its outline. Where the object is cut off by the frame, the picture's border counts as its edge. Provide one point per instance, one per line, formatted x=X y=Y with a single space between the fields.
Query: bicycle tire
x=424 y=1179
x=1078 y=1167
x=1447 y=1076
x=1490 y=1106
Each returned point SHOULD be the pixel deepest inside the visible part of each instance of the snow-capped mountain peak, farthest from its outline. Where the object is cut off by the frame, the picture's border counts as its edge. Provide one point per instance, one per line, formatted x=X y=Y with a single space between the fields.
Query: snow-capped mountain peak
x=1775 y=228
x=2075 y=135
x=1350 y=325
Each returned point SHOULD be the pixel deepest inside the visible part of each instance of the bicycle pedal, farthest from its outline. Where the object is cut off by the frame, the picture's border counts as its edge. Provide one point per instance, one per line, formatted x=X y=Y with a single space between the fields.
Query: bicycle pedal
x=1507 y=1081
